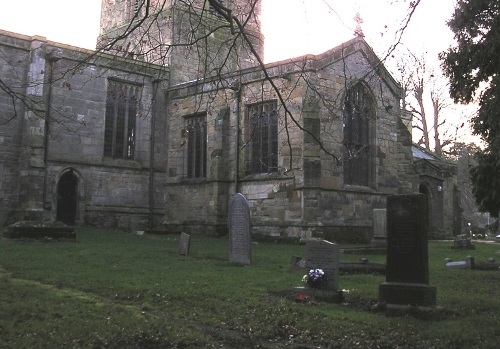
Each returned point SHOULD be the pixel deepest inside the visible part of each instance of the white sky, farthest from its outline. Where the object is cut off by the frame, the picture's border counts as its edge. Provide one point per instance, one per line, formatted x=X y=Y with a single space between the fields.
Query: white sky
x=291 y=27
x=72 y=22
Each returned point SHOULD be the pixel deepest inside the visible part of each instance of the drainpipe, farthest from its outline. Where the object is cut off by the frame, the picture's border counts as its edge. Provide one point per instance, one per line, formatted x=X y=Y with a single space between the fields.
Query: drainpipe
x=51 y=59
x=156 y=84
x=236 y=87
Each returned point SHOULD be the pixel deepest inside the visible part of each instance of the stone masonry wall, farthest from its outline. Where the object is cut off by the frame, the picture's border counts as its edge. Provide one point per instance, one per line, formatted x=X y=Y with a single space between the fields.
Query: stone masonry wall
x=307 y=197
x=14 y=63
x=111 y=192
x=188 y=36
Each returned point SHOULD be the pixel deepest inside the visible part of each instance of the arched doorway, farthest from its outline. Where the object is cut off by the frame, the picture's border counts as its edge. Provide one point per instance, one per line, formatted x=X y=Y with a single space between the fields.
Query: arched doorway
x=435 y=206
x=424 y=189
x=67 y=196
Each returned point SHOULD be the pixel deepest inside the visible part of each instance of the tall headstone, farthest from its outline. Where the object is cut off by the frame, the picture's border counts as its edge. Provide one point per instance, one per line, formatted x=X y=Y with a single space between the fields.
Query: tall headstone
x=407 y=273
x=240 y=240
x=324 y=255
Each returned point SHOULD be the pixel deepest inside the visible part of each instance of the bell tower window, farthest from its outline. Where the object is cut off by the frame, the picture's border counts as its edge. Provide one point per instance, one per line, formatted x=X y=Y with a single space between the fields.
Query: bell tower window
x=135 y=7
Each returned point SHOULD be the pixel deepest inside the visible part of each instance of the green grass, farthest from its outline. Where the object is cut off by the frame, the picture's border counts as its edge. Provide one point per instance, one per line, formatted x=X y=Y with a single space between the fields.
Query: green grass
x=118 y=290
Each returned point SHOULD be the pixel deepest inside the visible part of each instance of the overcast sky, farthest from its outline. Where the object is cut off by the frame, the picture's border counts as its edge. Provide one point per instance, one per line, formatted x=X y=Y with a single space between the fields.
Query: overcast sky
x=291 y=27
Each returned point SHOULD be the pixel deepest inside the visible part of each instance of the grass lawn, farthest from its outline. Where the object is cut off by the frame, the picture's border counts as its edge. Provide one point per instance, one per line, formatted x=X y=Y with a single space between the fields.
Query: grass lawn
x=112 y=289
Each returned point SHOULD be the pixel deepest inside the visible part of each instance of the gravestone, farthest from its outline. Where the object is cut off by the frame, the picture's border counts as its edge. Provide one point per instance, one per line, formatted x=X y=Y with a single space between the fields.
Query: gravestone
x=407 y=273
x=324 y=255
x=379 y=227
x=240 y=240
x=297 y=263
x=184 y=243
x=462 y=242
x=468 y=263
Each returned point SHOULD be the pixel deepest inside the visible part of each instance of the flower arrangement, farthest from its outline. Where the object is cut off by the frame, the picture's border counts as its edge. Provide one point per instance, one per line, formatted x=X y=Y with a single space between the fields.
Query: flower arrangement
x=316 y=278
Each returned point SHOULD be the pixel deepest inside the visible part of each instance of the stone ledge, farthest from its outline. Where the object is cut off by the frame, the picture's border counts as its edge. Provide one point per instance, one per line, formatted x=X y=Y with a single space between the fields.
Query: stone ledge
x=39 y=230
x=403 y=293
x=331 y=296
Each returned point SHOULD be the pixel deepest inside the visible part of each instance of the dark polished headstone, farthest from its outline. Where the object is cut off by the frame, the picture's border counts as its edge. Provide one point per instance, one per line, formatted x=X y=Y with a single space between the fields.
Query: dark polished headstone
x=407 y=275
x=240 y=240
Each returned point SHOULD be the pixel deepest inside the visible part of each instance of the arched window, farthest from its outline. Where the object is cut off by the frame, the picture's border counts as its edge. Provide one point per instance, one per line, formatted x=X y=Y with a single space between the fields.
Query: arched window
x=262 y=138
x=121 y=109
x=197 y=145
x=359 y=115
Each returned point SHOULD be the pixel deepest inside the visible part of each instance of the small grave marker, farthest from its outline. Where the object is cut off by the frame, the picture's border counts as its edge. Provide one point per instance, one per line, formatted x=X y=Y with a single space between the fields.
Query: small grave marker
x=462 y=242
x=240 y=240
x=468 y=263
x=184 y=243
x=296 y=263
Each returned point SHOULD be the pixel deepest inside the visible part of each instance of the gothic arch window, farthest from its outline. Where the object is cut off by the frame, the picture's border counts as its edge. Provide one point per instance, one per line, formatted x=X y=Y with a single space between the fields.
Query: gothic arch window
x=120 y=125
x=261 y=138
x=359 y=116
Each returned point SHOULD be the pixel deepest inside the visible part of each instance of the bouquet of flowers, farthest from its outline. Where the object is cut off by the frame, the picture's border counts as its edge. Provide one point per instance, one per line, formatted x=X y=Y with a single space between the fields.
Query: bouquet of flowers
x=316 y=278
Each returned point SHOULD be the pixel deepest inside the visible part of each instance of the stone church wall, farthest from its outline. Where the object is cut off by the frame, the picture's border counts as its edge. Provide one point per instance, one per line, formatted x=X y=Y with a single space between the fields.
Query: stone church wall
x=307 y=198
x=111 y=192
x=181 y=34
x=14 y=63
x=57 y=134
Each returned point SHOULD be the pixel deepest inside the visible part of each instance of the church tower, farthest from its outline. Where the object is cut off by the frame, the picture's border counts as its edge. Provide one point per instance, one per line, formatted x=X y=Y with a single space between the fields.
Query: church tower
x=191 y=37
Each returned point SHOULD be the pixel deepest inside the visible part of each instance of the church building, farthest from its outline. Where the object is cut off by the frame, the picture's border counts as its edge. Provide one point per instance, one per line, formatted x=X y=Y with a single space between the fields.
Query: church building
x=174 y=113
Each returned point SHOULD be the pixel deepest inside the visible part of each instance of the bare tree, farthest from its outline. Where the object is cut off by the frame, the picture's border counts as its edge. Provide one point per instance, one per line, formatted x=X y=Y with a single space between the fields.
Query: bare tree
x=413 y=76
x=425 y=89
x=210 y=39
x=439 y=103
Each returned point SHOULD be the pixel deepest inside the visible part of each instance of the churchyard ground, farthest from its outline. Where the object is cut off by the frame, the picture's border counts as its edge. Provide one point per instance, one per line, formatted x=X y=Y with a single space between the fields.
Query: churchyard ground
x=112 y=289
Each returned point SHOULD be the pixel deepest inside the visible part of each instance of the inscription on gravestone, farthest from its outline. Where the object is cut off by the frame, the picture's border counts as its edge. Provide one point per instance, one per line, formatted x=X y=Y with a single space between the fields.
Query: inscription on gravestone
x=240 y=243
x=324 y=255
